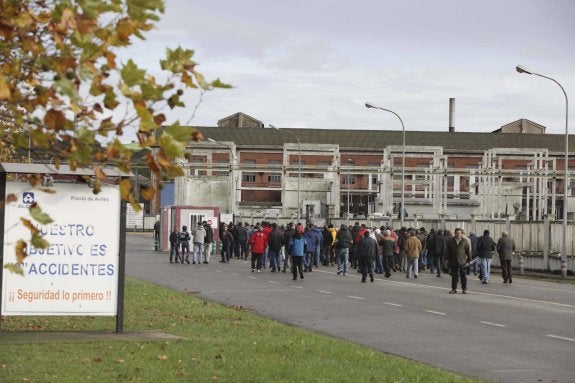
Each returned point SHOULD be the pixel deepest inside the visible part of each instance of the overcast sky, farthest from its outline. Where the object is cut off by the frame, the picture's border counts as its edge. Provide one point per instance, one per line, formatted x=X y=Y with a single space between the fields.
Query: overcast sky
x=314 y=63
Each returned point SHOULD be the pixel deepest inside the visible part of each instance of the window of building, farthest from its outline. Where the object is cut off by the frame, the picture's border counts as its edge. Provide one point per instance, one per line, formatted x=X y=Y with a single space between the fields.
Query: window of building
x=450 y=179
x=374 y=176
x=421 y=174
x=196 y=169
x=219 y=166
x=248 y=176
x=274 y=177
x=324 y=166
x=347 y=177
x=298 y=166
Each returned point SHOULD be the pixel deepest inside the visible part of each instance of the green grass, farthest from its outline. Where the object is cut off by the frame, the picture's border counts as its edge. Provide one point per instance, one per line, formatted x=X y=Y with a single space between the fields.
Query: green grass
x=221 y=344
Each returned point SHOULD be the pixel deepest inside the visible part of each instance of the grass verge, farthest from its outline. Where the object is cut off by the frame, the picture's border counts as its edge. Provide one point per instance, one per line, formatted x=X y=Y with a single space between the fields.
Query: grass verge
x=221 y=344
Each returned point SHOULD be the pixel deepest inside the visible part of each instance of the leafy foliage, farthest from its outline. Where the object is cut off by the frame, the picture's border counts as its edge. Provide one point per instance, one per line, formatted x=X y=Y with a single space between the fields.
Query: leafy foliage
x=65 y=95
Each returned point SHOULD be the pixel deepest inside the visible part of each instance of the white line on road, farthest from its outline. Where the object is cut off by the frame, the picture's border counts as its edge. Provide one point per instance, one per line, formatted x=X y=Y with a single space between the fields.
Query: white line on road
x=525 y=299
x=325 y=292
x=274 y=282
x=508 y=371
x=218 y=271
x=392 y=304
x=297 y=287
x=233 y=273
x=243 y=291
x=354 y=297
x=252 y=277
x=561 y=337
x=493 y=324
x=435 y=312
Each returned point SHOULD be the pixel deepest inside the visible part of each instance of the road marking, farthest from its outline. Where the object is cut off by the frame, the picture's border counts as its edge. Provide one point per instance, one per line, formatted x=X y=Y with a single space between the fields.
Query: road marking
x=274 y=282
x=297 y=287
x=392 y=304
x=354 y=297
x=526 y=299
x=325 y=292
x=493 y=324
x=218 y=271
x=252 y=277
x=435 y=312
x=507 y=371
x=242 y=291
x=233 y=273
x=561 y=337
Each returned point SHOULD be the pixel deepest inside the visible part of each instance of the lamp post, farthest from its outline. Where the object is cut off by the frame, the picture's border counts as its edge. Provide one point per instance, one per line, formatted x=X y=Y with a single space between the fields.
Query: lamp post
x=347 y=184
x=521 y=69
x=232 y=165
x=298 y=169
x=402 y=208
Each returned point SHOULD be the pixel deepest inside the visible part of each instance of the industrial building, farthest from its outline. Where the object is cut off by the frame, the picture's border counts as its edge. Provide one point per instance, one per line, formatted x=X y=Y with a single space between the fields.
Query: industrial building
x=248 y=169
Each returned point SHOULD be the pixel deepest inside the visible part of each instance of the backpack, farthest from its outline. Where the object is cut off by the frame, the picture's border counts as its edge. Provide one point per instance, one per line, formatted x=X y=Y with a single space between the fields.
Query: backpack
x=184 y=236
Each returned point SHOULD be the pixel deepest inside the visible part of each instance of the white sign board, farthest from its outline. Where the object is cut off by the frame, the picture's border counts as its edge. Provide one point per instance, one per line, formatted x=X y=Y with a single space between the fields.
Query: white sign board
x=78 y=273
x=226 y=218
x=134 y=219
x=212 y=221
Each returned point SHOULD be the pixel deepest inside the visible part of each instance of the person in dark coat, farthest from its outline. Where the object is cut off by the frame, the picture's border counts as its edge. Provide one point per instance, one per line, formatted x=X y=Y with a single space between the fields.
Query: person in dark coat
x=485 y=247
x=458 y=254
x=367 y=253
x=208 y=241
x=344 y=241
x=440 y=249
x=227 y=243
x=474 y=242
x=276 y=241
x=174 y=244
x=505 y=248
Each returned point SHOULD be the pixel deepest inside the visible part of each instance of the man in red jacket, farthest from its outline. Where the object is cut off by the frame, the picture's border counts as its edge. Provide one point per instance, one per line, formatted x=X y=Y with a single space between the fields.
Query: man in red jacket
x=258 y=242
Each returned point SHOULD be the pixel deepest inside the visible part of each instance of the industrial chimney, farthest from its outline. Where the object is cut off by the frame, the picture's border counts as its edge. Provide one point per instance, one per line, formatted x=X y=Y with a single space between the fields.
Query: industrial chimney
x=451 y=112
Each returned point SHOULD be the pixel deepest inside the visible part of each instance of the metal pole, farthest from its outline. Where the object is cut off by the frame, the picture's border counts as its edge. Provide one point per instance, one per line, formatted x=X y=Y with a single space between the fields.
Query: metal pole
x=347 y=184
x=521 y=69
x=402 y=173
x=298 y=169
x=402 y=207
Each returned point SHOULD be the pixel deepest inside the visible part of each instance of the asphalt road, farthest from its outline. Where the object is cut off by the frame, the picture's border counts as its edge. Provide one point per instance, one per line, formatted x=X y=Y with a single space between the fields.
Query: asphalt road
x=518 y=333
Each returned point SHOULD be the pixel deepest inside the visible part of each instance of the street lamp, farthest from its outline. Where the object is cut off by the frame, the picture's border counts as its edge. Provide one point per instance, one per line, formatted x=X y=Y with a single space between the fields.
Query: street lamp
x=522 y=69
x=349 y=161
x=232 y=188
x=402 y=208
x=298 y=169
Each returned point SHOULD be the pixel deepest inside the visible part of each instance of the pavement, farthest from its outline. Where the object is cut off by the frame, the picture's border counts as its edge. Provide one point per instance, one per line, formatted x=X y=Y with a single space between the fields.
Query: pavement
x=81 y=336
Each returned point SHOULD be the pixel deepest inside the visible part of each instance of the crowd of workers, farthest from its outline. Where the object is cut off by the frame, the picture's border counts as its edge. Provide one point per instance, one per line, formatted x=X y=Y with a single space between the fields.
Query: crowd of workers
x=302 y=249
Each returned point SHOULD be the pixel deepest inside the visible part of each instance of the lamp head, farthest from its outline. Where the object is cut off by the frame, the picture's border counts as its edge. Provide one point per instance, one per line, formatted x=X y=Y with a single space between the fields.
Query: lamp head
x=522 y=69
x=273 y=127
x=369 y=105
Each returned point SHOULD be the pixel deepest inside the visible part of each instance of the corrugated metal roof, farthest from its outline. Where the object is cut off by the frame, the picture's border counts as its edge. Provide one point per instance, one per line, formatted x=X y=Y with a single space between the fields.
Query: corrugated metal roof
x=375 y=139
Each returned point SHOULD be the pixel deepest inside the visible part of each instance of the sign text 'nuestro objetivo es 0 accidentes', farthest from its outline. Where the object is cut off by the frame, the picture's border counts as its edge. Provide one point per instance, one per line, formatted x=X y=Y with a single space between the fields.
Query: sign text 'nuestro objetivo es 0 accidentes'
x=78 y=273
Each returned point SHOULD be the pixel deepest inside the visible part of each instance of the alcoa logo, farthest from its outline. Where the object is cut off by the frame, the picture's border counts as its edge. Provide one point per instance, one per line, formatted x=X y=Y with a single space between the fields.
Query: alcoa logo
x=28 y=198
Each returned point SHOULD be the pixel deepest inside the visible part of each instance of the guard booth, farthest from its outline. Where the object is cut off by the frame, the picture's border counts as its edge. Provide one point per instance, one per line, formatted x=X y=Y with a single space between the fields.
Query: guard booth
x=189 y=216
x=81 y=272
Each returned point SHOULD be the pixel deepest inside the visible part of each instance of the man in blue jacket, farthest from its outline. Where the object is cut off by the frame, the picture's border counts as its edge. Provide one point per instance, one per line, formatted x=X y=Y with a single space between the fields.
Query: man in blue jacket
x=297 y=245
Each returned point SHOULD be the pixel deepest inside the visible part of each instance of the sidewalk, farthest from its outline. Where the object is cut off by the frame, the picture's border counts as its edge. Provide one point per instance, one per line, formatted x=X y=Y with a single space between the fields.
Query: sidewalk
x=81 y=336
